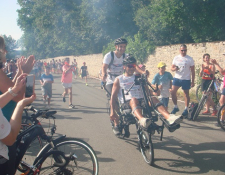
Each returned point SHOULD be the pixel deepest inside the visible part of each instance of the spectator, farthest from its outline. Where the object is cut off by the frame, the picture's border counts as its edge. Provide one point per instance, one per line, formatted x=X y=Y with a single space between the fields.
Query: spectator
x=207 y=73
x=184 y=68
x=24 y=66
x=46 y=85
x=9 y=132
x=164 y=80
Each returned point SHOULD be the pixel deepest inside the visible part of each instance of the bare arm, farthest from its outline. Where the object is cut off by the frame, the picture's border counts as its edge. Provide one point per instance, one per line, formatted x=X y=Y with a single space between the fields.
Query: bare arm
x=174 y=68
x=15 y=121
x=192 y=76
x=217 y=66
x=6 y=97
x=104 y=73
x=115 y=91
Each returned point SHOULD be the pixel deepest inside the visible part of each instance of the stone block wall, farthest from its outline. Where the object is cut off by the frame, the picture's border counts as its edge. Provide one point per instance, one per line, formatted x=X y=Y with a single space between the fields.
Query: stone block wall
x=161 y=53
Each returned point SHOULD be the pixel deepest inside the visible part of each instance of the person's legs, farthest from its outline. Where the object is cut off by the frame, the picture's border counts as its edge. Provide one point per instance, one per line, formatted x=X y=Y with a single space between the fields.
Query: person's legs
x=186 y=98
x=137 y=111
x=70 y=95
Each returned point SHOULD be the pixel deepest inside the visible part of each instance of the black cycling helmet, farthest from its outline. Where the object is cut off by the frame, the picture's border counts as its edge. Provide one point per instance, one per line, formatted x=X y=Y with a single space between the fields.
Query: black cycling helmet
x=120 y=41
x=129 y=60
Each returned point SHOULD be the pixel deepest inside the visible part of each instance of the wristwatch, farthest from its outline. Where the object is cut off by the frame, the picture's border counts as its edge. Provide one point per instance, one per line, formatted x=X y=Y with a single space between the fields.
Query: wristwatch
x=11 y=92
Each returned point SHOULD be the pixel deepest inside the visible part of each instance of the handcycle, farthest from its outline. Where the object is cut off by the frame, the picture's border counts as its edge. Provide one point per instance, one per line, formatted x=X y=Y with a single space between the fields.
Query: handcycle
x=144 y=135
x=59 y=156
x=203 y=100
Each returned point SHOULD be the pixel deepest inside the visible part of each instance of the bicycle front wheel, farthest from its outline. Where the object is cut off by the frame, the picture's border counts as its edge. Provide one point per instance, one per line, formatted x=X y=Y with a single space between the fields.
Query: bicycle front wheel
x=200 y=107
x=198 y=92
x=221 y=117
x=83 y=159
x=146 y=147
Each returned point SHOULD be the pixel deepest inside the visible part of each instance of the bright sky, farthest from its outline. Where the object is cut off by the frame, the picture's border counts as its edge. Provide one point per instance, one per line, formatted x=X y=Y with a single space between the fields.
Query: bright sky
x=9 y=16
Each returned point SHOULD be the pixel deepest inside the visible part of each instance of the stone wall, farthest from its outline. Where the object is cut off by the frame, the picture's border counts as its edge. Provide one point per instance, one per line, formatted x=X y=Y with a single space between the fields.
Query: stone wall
x=162 y=53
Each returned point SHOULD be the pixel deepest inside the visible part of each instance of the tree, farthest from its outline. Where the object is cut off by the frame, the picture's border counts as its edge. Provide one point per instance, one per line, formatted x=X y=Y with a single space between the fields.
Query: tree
x=10 y=45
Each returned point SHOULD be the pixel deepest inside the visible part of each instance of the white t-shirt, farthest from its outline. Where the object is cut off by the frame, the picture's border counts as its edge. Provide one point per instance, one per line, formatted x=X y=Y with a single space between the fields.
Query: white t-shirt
x=184 y=64
x=126 y=83
x=116 y=67
x=5 y=129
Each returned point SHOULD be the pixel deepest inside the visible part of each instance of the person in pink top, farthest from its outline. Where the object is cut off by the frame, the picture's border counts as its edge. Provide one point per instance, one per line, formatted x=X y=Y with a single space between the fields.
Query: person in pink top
x=67 y=81
x=222 y=97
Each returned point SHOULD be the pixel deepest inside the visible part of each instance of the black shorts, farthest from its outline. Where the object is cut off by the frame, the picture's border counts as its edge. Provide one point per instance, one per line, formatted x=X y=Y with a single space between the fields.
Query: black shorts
x=205 y=84
x=126 y=105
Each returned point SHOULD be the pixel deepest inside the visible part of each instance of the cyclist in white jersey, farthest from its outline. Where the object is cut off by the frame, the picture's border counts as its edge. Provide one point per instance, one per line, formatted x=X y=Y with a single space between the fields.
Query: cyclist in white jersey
x=135 y=97
x=110 y=70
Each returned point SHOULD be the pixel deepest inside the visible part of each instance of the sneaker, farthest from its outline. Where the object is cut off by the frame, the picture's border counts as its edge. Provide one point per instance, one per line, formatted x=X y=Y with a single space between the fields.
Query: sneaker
x=71 y=106
x=214 y=113
x=175 y=110
x=48 y=107
x=64 y=99
x=86 y=84
x=116 y=130
x=206 y=112
x=174 y=119
x=145 y=122
x=185 y=112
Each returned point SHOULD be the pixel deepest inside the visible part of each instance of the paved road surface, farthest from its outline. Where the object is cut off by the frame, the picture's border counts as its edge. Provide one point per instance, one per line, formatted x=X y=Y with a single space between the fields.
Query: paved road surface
x=196 y=148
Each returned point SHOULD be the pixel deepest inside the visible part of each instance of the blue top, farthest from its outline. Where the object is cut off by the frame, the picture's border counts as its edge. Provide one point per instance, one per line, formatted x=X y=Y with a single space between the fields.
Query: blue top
x=45 y=77
x=8 y=109
x=163 y=80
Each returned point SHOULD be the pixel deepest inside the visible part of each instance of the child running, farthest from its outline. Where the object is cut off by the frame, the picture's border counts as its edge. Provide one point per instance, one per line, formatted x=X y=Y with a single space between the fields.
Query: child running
x=164 y=80
x=46 y=85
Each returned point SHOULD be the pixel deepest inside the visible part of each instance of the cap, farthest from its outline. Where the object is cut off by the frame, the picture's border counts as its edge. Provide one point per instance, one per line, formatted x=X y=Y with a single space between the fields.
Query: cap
x=161 y=64
x=141 y=65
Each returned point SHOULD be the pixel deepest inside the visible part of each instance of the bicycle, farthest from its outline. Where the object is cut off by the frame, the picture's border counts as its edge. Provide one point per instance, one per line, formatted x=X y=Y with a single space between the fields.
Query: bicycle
x=220 y=115
x=203 y=101
x=58 y=155
x=144 y=135
x=216 y=92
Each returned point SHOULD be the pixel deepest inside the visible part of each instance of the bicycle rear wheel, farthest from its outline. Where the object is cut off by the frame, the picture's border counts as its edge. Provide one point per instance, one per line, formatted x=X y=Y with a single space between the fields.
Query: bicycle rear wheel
x=200 y=107
x=221 y=117
x=146 y=147
x=84 y=159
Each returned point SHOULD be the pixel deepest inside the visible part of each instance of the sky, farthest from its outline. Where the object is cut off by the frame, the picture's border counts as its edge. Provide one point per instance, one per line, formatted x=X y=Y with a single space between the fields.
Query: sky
x=9 y=16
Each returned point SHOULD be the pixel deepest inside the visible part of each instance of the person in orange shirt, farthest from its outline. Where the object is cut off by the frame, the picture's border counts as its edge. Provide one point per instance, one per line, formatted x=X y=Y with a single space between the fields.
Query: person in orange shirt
x=67 y=81
x=207 y=73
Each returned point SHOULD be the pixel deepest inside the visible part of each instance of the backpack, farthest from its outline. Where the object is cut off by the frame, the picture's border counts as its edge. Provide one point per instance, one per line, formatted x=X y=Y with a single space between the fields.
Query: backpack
x=192 y=108
x=112 y=56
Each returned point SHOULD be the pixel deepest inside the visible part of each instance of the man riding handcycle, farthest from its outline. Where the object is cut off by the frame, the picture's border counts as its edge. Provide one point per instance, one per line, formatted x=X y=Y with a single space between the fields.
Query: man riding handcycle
x=130 y=95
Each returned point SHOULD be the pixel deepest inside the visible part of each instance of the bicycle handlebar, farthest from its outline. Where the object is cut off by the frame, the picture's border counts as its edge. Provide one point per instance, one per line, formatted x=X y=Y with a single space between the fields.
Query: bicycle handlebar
x=40 y=113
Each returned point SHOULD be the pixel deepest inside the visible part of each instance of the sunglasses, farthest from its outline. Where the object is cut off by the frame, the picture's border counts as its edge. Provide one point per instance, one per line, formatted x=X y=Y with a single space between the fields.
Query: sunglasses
x=131 y=65
x=183 y=50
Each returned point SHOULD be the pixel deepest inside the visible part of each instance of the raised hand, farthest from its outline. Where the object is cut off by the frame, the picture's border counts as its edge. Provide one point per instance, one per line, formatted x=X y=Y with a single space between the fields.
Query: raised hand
x=20 y=82
x=27 y=64
x=26 y=101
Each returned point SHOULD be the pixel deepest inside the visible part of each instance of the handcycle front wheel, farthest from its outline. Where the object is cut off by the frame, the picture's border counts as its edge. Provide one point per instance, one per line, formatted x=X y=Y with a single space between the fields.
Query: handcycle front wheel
x=220 y=114
x=146 y=147
x=84 y=159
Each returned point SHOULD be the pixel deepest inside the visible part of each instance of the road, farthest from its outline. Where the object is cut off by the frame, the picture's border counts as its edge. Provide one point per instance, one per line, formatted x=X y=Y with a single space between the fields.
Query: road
x=196 y=148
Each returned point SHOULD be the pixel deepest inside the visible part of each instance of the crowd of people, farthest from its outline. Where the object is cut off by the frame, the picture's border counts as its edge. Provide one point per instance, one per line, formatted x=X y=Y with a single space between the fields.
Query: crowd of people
x=118 y=71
